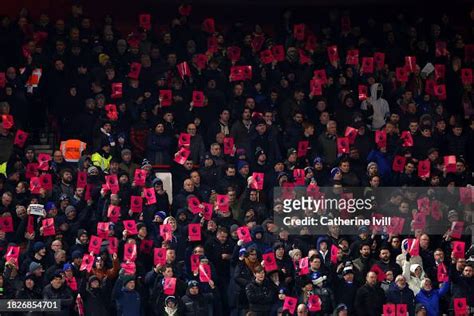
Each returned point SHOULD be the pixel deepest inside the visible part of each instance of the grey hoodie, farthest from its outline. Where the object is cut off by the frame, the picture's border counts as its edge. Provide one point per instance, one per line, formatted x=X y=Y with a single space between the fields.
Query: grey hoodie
x=379 y=105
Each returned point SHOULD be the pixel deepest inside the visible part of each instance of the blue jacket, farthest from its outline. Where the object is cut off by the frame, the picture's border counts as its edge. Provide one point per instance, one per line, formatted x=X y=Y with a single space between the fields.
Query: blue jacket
x=431 y=299
x=128 y=302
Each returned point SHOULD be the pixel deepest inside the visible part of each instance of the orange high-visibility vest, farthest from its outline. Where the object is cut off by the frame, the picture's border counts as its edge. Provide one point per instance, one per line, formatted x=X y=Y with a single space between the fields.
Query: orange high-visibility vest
x=72 y=149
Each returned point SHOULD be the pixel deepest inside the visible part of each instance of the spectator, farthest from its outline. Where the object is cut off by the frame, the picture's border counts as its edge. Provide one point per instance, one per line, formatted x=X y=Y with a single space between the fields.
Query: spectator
x=370 y=297
x=399 y=293
x=260 y=293
x=429 y=297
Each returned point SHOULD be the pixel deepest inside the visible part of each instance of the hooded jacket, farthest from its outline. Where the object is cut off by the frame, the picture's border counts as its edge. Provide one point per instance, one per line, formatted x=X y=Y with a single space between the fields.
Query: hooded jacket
x=430 y=299
x=409 y=273
x=380 y=106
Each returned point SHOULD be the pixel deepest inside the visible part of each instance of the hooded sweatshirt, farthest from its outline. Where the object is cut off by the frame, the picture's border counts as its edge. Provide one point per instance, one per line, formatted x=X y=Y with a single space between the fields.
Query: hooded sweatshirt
x=379 y=106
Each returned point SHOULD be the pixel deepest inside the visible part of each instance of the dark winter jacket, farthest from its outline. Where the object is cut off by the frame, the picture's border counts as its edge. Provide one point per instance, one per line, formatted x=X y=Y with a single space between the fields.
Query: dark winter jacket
x=369 y=300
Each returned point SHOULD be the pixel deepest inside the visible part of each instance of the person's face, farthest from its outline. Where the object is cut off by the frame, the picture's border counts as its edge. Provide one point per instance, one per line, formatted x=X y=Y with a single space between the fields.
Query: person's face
x=371 y=279
x=56 y=245
x=250 y=103
x=58 y=157
x=467 y=271
x=253 y=256
x=246 y=114
x=395 y=243
x=130 y=285
x=83 y=239
x=230 y=172
x=30 y=154
x=428 y=285
x=244 y=170
x=196 y=178
x=221 y=236
x=29 y=283
x=168 y=273
x=439 y=256
x=345 y=167
x=142 y=232
x=225 y=116
x=188 y=185
x=280 y=252
x=59 y=65
x=232 y=196
x=188 y=165
x=99 y=263
x=159 y=129
x=309 y=130
x=375 y=182
x=460 y=167
x=323 y=246
x=6 y=200
x=253 y=196
x=457 y=131
x=365 y=251
x=168 y=117
x=384 y=255
x=192 y=129
x=67 y=176
x=268 y=117
x=170 y=255
x=315 y=264
x=20 y=188
x=194 y=290
x=114 y=199
x=441 y=126
x=215 y=150
x=57 y=283
x=426 y=132
x=404 y=208
x=413 y=127
x=21 y=211
x=238 y=90
x=331 y=128
x=126 y=157
x=409 y=168
x=401 y=283
x=424 y=241
x=260 y=276
x=298 y=118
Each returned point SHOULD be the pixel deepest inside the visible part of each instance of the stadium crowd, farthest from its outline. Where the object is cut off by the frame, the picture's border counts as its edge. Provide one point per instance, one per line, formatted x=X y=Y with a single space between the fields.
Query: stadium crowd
x=226 y=113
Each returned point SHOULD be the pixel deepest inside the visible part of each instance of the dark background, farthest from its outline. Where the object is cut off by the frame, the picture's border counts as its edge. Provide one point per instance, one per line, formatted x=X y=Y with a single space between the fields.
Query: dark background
x=224 y=11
